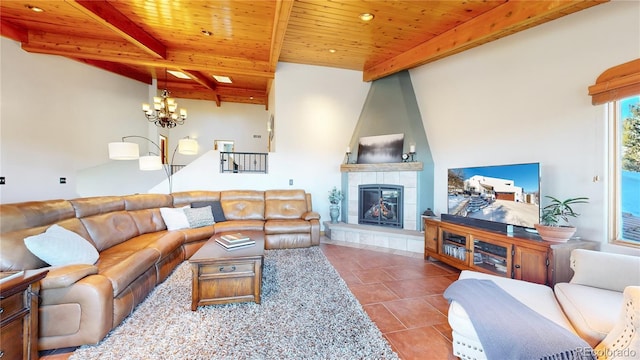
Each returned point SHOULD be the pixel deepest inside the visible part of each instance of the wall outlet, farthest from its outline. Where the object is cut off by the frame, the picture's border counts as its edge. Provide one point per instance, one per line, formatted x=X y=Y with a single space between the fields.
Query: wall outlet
x=2 y=180
x=63 y=180
x=290 y=182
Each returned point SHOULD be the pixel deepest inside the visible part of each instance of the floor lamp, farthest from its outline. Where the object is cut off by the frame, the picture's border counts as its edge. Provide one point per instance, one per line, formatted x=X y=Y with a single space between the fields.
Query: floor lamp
x=131 y=151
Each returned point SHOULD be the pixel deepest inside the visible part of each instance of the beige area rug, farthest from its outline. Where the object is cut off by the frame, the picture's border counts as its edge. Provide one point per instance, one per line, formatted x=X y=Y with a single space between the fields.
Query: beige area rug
x=307 y=312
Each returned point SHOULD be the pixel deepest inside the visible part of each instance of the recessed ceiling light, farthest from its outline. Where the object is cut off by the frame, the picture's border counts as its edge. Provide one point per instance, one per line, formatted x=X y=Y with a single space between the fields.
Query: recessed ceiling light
x=222 y=79
x=332 y=51
x=34 y=8
x=366 y=16
x=206 y=33
x=179 y=74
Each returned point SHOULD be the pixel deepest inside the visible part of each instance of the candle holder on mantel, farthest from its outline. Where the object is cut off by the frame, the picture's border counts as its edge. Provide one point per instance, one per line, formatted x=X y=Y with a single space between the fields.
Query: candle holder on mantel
x=412 y=153
x=347 y=155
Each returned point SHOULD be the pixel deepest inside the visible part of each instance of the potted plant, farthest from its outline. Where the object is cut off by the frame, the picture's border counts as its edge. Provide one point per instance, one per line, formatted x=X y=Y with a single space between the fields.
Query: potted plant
x=554 y=224
x=335 y=197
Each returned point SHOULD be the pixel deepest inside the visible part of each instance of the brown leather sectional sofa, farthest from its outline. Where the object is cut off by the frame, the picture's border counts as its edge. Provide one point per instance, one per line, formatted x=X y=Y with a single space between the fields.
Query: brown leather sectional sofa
x=80 y=304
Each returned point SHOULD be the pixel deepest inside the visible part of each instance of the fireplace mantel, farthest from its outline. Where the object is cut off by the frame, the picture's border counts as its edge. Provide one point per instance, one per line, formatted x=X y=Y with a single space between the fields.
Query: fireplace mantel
x=402 y=166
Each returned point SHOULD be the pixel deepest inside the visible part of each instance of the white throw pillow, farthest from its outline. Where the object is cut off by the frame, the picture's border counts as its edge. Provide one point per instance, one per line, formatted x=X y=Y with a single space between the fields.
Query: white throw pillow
x=199 y=217
x=58 y=246
x=175 y=218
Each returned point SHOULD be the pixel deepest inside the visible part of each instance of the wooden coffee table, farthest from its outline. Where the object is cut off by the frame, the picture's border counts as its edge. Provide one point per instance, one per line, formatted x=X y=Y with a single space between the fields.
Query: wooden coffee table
x=222 y=276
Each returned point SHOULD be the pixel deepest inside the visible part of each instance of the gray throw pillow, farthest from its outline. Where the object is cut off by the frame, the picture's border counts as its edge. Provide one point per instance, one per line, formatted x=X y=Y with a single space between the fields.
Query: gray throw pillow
x=216 y=209
x=199 y=217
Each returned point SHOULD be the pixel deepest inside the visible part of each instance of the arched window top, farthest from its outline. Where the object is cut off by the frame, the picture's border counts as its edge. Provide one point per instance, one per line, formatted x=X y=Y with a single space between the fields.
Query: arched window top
x=616 y=83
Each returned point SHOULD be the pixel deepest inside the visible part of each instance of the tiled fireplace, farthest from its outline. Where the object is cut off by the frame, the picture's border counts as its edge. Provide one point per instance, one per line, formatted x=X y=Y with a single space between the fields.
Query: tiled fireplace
x=406 y=237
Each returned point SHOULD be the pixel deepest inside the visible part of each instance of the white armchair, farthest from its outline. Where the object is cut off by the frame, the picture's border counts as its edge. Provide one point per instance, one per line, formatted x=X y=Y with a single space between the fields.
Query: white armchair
x=601 y=304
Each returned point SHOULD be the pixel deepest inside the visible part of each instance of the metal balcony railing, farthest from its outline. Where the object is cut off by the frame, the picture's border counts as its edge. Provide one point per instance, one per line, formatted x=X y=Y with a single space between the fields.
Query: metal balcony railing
x=243 y=162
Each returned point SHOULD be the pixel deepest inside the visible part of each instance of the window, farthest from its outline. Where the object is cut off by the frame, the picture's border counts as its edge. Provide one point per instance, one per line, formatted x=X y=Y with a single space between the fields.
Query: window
x=625 y=185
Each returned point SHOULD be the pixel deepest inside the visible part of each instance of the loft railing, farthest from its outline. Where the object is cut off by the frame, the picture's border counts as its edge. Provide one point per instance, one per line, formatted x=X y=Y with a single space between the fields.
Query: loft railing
x=243 y=162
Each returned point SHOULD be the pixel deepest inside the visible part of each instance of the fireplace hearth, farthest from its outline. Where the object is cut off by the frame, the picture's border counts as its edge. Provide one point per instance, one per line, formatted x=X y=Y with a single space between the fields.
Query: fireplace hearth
x=380 y=204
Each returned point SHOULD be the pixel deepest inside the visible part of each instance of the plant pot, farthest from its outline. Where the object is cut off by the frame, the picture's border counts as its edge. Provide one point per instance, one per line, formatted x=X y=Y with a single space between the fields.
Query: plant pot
x=555 y=233
x=334 y=213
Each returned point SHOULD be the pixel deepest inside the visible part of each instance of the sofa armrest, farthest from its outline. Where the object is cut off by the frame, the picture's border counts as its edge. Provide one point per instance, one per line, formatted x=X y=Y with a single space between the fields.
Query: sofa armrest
x=604 y=270
x=310 y=215
x=623 y=341
x=65 y=276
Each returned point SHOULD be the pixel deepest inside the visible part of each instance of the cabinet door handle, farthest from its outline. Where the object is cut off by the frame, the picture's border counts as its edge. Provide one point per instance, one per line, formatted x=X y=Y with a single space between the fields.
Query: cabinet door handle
x=1 y=353
x=222 y=269
x=1 y=310
x=517 y=266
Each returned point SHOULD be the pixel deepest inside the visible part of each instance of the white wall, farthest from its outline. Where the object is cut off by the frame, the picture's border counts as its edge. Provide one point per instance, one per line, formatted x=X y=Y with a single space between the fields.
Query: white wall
x=524 y=98
x=56 y=118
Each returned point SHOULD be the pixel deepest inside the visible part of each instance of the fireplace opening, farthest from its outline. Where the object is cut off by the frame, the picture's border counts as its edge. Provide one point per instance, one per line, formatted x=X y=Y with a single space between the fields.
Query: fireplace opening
x=380 y=204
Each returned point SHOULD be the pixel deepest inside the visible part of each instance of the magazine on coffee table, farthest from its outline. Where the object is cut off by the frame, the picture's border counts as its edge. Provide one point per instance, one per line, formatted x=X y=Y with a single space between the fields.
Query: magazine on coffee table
x=235 y=244
x=237 y=237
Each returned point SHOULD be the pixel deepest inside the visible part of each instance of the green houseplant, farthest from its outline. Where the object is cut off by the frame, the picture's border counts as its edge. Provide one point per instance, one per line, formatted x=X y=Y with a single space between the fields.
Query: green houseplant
x=335 y=197
x=554 y=223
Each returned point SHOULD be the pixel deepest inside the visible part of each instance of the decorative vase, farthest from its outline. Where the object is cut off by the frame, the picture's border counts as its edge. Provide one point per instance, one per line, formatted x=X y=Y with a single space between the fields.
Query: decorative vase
x=334 y=213
x=555 y=233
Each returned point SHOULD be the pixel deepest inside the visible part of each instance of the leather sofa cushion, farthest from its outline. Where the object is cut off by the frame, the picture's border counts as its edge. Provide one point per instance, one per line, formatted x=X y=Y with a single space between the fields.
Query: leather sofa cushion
x=147 y=201
x=239 y=225
x=163 y=241
x=148 y=220
x=122 y=265
x=287 y=226
x=185 y=198
x=97 y=205
x=243 y=204
x=287 y=241
x=592 y=311
x=285 y=204
x=33 y=214
x=196 y=234
x=110 y=229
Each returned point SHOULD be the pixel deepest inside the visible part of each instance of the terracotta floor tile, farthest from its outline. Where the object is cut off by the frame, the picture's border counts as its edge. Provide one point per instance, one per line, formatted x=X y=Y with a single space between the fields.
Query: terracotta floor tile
x=417 y=271
x=372 y=275
x=438 y=302
x=383 y=318
x=372 y=293
x=421 y=343
x=416 y=312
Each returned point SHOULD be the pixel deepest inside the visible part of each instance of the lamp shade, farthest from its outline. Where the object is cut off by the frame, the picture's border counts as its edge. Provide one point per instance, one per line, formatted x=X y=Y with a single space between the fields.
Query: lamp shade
x=151 y=162
x=188 y=146
x=123 y=151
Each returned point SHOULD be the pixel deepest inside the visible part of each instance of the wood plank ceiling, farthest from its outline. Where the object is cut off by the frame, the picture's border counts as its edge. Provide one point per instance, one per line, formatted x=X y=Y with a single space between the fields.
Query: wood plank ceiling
x=244 y=40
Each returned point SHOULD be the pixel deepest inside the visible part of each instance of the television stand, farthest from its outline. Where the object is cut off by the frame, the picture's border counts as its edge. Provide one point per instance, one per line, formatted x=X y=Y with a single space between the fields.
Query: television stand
x=521 y=255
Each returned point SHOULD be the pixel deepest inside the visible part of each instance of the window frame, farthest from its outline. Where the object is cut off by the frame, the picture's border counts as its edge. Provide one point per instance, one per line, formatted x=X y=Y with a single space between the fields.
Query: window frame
x=614 y=114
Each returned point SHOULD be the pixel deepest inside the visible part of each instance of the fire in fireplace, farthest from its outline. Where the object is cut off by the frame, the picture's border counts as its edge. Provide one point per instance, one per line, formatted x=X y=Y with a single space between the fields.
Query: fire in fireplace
x=380 y=204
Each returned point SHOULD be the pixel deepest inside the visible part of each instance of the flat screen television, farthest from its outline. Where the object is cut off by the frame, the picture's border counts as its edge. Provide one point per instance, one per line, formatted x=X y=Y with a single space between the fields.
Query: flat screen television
x=507 y=194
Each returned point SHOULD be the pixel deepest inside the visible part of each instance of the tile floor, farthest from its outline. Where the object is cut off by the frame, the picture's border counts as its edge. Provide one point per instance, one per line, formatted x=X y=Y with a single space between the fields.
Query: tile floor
x=401 y=293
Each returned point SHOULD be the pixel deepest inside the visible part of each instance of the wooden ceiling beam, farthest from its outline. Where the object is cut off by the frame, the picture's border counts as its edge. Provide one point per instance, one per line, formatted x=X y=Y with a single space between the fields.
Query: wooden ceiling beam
x=13 y=32
x=205 y=81
x=104 y=50
x=501 y=21
x=106 y=15
x=119 y=69
x=280 y=22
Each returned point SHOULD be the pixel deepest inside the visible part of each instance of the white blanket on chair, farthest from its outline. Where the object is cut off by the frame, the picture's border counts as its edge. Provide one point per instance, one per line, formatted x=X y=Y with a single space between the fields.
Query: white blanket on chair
x=508 y=329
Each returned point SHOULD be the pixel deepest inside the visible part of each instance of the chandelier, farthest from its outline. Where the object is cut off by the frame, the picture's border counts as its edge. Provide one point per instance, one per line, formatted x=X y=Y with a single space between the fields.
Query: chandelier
x=165 y=111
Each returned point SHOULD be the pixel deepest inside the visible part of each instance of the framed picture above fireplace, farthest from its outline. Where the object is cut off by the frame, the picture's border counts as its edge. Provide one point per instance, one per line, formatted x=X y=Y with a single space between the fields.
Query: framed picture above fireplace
x=380 y=149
